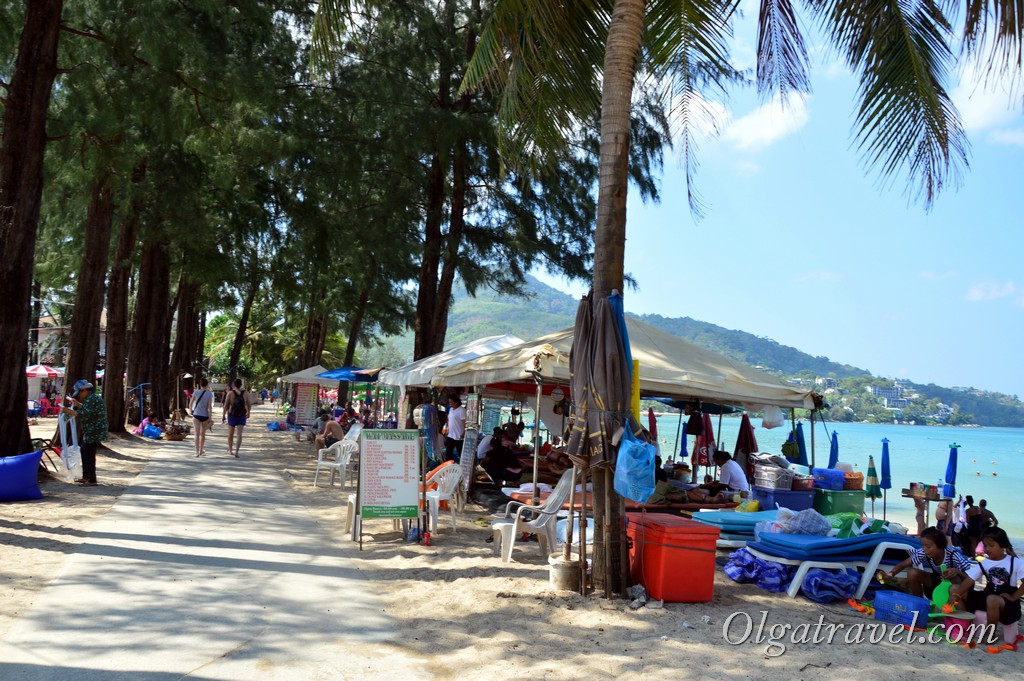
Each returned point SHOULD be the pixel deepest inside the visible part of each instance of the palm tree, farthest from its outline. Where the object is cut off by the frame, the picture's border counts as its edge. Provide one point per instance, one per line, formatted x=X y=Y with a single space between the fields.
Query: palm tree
x=551 y=61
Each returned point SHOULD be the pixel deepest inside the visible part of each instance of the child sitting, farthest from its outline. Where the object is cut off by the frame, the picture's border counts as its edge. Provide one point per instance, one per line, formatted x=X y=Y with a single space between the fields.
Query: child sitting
x=926 y=565
x=1000 y=600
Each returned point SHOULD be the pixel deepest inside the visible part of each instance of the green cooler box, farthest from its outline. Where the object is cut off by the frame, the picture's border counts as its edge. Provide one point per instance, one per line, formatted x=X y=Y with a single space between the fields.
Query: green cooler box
x=828 y=501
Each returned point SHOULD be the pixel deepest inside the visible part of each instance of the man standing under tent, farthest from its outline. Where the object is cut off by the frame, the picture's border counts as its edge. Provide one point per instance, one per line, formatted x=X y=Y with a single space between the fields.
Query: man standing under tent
x=456 y=429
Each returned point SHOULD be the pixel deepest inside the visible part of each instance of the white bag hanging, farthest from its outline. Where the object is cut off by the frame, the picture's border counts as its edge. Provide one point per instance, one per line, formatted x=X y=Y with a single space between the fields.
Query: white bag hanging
x=773 y=417
x=70 y=454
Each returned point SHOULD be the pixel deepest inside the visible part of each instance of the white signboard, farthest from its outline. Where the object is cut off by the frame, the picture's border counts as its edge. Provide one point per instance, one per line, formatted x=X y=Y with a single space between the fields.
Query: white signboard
x=389 y=474
x=307 y=398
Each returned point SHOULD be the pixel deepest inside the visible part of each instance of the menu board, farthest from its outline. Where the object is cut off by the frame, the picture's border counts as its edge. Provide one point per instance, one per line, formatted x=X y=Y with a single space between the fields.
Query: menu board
x=389 y=474
x=467 y=459
x=307 y=397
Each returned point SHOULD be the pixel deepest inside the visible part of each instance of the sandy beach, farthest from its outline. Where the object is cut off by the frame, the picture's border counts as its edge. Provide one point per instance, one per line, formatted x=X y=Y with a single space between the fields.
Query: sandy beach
x=461 y=610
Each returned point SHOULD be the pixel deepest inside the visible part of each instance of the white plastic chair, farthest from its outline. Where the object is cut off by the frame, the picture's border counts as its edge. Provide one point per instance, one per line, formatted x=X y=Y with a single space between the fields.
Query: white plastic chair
x=542 y=524
x=447 y=479
x=337 y=458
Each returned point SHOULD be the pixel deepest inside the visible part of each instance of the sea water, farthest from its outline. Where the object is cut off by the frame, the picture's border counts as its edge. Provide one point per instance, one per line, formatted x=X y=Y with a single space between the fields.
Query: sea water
x=990 y=461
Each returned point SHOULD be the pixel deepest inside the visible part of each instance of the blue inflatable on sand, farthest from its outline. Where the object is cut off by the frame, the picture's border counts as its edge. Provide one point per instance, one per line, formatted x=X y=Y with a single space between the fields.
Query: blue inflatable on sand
x=18 y=477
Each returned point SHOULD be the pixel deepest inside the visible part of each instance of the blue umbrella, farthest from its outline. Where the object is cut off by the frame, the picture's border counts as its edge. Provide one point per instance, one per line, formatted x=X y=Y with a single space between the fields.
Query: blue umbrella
x=619 y=315
x=833 y=451
x=802 y=459
x=343 y=374
x=949 y=489
x=886 y=480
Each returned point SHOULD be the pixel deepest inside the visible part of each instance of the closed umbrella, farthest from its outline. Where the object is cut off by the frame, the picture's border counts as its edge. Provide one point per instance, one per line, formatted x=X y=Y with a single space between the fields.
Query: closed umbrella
x=652 y=423
x=872 y=490
x=886 y=481
x=949 y=488
x=802 y=459
x=833 y=451
x=746 y=444
x=704 y=446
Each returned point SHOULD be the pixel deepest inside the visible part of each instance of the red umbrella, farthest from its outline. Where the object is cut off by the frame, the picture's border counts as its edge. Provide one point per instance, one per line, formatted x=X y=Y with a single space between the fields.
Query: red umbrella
x=652 y=423
x=705 y=444
x=42 y=371
x=746 y=444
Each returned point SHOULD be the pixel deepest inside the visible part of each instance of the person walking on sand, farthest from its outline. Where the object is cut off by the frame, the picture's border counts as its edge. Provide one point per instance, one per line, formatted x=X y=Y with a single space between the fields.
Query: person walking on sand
x=92 y=412
x=236 y=413
x=202 y=410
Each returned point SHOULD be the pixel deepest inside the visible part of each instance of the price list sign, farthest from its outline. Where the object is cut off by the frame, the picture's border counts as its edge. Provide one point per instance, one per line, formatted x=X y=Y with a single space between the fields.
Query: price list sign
x=389 y=474
x=306 y=398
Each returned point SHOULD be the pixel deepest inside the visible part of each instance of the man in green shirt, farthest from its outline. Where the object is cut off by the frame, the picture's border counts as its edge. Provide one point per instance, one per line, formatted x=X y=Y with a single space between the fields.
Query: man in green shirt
x=92 y=414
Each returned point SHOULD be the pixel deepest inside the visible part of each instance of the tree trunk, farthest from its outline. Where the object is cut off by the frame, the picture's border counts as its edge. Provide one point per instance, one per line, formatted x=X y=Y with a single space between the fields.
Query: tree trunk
x=33 y=324
x=185 y=332
x=117 y=312
x=243 y=323
x=426 y=297
x=624 y=39
x=27 y=98
x=147 y=354
x=356 y=327
x=83 y=347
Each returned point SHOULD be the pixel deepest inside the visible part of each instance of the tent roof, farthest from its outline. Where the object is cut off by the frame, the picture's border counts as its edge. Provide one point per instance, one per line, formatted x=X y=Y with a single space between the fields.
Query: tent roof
x=420 y=372
x=669 y=367
x=310 y=376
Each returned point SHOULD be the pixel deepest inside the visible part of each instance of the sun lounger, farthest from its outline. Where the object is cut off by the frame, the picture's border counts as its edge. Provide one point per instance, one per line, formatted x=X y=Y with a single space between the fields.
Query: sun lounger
x=527 y=498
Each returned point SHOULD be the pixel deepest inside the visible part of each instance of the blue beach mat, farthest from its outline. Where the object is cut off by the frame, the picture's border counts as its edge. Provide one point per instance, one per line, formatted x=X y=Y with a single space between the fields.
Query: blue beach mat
x=733 y=520
x=770 y=550
x=807 y=546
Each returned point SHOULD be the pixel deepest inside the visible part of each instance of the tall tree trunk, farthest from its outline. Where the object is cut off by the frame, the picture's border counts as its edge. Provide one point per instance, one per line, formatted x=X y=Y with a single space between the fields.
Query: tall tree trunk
x=117 y=311
x=356 y=327
x=83 y=347
x=624 y=38
x=433 y=241
x=456 y=226
x=147 y=353
x=21 y=186
x=33 y=324
x=243 y=324
x=185 y=332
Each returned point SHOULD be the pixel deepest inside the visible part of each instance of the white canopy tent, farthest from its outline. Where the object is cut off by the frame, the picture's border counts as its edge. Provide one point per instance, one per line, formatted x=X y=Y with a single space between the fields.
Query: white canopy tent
x=669 y=367
x=420 y=372
x=310 y=376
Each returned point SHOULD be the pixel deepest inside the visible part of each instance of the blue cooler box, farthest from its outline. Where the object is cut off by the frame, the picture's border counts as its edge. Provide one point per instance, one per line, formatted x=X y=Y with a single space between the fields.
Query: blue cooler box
x=795 y=500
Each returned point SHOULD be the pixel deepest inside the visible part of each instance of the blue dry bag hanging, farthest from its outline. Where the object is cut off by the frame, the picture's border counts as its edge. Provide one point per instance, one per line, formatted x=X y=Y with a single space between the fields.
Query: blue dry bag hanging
x=634 y=468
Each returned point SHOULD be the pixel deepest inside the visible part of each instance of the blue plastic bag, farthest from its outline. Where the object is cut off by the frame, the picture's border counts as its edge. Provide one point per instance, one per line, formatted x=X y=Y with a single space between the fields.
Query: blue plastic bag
x=273 y=426
x=634 y=468
x=744 y=567
x=827 y=586
x=152 y=432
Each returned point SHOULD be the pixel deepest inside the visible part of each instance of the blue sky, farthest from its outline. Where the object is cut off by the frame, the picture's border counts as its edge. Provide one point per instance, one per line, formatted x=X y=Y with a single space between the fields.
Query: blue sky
x=803 y=244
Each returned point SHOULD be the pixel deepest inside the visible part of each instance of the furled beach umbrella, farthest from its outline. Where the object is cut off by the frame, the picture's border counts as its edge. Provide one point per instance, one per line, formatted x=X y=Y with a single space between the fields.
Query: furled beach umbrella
x=704 y=446
x=599 y=384
x=802 y=459
x=833 y=451
x=949 y=488
x=746 y=444
x=652 y=423
x=886 y=481
x=871 y=488
x=42 y=371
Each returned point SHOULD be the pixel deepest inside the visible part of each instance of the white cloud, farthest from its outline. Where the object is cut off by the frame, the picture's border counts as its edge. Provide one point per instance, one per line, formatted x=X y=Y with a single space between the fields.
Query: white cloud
x=985 y=101
x=1012 y=138
x=768 y=123
x=985 y=291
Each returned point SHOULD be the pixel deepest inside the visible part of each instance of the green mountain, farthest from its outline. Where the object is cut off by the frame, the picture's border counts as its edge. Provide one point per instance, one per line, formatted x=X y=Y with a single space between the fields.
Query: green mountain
x=545 y=309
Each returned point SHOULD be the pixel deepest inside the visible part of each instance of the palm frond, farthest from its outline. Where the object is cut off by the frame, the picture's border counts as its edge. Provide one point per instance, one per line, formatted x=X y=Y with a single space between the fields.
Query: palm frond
x=542 y=58
x=906 y=119
x=997 y=25
x=328 y=33
x=782 y=64
x=686 y=48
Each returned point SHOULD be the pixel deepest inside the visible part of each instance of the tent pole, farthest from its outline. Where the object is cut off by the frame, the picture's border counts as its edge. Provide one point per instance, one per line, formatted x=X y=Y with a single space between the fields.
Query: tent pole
x=718 y=439
x=679 y=433
x=812 y=438
x=567 y=546
x=536 y=441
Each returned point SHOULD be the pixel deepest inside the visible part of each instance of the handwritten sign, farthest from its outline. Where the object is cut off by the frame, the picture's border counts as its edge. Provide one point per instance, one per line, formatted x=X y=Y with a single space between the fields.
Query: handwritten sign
x=389 y=474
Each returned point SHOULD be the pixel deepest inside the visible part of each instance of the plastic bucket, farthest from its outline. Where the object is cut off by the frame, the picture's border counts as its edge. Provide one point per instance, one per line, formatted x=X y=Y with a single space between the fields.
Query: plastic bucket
x=564 y=574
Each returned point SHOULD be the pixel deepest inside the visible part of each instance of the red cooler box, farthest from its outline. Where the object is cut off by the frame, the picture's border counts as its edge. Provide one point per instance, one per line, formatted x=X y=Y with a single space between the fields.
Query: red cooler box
x=673 y=557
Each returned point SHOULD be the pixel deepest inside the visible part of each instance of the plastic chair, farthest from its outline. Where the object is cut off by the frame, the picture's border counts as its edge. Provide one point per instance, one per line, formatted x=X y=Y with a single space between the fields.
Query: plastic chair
x=447 y=479
x=33 y=409
x=336 y=458
x=49 y=409
x=543 y=523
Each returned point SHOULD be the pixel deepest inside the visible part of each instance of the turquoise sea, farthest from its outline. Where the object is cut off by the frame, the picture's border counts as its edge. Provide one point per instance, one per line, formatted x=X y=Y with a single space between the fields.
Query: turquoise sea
x=990 y=460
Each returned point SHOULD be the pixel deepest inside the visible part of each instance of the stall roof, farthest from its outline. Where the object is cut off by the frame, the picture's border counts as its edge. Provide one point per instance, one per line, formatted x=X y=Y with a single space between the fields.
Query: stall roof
x=310 y=375
x=669 y=367
x=420 y=372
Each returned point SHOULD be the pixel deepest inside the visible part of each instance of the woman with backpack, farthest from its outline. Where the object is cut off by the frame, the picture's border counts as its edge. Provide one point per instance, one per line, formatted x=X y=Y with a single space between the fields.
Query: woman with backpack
x=236 y=411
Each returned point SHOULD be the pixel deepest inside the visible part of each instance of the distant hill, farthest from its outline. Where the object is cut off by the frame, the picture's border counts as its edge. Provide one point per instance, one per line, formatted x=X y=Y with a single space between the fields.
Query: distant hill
x=546 y=309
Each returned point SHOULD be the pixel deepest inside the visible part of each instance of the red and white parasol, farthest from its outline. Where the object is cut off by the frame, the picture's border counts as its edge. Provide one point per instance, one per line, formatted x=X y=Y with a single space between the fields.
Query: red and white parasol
x=42 y=371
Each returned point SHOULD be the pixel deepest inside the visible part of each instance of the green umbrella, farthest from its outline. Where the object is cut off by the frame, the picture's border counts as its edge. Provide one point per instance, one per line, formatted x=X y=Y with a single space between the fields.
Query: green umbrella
x=872 y=490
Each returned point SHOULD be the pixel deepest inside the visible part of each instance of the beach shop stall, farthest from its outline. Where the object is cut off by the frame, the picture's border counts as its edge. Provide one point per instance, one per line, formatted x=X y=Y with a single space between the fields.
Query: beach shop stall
x=306 y=399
